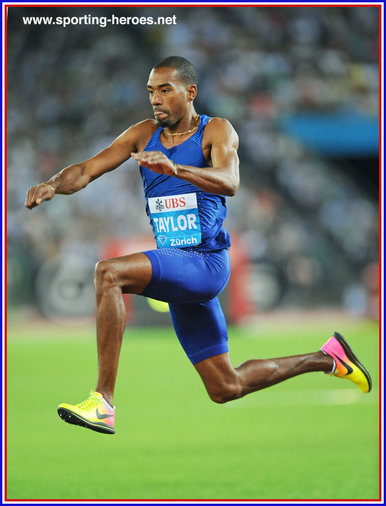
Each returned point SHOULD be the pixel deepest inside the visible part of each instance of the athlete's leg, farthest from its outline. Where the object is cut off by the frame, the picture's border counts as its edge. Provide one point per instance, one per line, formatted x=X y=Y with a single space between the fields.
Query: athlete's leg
x=113 y=277
x=201 y=329
x=224 y=383
x=161 y=274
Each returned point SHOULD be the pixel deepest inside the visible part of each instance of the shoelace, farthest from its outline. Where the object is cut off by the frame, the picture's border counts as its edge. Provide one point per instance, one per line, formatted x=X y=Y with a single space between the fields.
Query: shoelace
x=90 y=402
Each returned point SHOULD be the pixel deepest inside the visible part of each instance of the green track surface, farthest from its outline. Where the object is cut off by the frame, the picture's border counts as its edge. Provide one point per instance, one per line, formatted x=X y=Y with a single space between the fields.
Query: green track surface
x=312 y=437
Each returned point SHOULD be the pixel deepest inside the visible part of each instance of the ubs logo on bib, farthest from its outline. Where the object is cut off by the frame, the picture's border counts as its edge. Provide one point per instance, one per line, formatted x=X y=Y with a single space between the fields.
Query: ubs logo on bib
x=159 y=205
x=175 y=203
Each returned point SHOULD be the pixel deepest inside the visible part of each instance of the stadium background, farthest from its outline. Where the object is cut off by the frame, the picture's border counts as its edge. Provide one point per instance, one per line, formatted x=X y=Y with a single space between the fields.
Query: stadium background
x=300 y=85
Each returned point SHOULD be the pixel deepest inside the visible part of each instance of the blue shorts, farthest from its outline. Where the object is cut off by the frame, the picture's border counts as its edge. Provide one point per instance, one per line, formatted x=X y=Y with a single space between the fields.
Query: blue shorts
x=190 y=282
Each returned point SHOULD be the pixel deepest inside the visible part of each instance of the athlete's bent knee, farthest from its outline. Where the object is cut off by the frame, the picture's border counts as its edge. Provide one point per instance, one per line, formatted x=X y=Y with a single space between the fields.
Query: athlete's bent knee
x=105 y=275
x=225 y=393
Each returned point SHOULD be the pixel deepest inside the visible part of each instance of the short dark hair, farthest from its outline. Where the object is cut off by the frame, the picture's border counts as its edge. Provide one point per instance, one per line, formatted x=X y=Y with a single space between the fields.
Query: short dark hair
x=186 y=71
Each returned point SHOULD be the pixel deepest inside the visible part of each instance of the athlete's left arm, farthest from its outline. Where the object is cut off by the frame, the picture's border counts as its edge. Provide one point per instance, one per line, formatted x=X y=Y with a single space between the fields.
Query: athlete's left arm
x=222 y=177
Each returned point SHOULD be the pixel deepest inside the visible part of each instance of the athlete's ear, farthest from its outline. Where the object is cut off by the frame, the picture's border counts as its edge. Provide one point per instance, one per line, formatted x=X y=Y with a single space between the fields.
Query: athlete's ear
x=191 y=92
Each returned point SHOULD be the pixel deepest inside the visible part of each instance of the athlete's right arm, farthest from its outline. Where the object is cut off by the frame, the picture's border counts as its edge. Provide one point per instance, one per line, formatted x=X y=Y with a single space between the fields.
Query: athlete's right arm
x=75 y=177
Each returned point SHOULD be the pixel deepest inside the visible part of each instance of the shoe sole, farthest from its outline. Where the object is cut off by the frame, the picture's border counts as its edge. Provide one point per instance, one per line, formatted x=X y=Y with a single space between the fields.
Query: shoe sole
x=351 y=356
x=75 y=419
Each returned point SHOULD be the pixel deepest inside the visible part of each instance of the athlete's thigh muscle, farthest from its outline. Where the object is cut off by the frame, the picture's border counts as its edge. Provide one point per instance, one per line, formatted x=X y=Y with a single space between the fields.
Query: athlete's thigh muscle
x=132 y=272
x=200 y=328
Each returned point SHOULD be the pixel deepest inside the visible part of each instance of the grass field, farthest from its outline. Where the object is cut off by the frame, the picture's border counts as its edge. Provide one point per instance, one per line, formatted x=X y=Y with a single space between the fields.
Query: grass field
x=312 y=437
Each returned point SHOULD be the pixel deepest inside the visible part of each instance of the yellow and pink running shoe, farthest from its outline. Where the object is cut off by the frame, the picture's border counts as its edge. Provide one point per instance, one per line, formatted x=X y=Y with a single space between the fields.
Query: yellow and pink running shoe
x=94 y=413
x=346 y=364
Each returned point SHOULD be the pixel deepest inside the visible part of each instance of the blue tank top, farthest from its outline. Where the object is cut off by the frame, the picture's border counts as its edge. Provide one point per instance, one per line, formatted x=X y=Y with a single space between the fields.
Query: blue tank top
x=181 y=214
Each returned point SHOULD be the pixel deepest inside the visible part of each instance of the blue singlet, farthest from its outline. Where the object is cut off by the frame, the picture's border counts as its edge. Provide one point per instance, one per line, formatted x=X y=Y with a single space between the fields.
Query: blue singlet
x=191 y=265
x=181 y=214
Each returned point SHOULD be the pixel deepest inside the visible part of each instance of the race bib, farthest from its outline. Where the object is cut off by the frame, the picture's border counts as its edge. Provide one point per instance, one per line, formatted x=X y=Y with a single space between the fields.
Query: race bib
x=175 y=220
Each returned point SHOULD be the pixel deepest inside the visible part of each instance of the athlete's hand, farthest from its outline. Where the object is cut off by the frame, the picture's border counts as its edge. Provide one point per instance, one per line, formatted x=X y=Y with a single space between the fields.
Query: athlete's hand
x=37 y=194
x=156 y=161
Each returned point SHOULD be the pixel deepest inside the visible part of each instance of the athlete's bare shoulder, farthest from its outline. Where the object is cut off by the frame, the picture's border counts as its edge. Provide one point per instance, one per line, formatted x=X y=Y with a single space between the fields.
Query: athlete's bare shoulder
x=216 y=121
x=220 y=129
x=138 y=134
x=146 y=126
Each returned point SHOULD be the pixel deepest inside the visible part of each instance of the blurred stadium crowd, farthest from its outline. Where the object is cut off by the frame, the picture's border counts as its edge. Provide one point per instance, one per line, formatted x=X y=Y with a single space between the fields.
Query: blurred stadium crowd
x=309 y=229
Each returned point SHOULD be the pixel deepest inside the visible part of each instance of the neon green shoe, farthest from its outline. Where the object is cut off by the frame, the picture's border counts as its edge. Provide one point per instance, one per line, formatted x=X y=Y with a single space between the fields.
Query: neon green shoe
x=93 y=413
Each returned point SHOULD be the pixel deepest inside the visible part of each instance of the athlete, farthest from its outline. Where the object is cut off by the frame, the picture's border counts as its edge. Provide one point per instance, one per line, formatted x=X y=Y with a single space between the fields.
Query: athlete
x=189 y=165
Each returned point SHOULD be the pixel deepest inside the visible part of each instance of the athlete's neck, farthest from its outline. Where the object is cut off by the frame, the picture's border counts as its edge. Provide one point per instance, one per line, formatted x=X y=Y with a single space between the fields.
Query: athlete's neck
x=183 y=127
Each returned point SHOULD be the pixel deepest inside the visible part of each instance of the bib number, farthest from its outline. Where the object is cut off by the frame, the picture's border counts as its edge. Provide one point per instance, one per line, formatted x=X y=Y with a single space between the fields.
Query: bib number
x=175 y=220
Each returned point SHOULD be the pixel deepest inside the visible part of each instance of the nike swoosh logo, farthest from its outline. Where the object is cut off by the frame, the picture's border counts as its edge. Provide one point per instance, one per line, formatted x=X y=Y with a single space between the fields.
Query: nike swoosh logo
x=100 y=416
x=349 y=369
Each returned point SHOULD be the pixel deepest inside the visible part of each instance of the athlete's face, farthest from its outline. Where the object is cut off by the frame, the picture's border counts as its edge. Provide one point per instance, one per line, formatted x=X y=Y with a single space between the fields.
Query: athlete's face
x=168 y=96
